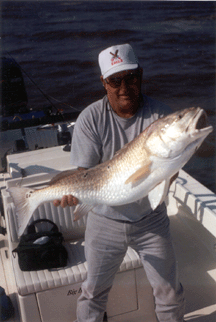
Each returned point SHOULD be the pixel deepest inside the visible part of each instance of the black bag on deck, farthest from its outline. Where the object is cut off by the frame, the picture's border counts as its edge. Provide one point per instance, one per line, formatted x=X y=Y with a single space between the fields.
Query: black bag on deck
x=41 y=250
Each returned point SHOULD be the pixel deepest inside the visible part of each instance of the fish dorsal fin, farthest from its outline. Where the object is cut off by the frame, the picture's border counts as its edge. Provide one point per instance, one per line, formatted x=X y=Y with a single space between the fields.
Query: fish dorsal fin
x=62 y=175
x=81 y=210
x=157 y=195
x=140 y=174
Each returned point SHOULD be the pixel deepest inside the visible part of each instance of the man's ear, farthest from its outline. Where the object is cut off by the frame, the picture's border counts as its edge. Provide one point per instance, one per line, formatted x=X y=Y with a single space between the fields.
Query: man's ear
x=103 y=81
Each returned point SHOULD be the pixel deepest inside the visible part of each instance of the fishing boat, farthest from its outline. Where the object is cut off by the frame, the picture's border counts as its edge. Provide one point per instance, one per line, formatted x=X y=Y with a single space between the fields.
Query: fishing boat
x=40 y=151
x=51 y=295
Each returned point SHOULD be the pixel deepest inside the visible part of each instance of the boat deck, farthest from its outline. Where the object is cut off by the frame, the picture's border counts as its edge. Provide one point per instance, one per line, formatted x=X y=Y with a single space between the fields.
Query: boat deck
x=192 y=213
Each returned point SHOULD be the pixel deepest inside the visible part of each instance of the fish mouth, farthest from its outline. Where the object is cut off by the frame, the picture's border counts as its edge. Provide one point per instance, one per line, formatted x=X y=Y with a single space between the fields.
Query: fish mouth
x=199 y=123
x=201 y=118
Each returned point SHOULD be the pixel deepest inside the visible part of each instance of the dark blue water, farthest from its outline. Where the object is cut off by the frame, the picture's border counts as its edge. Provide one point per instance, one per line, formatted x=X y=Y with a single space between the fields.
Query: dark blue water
x=57 y=44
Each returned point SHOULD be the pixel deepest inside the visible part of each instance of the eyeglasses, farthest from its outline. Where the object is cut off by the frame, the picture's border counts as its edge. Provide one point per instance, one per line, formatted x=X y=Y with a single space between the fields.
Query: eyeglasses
x=130 y=79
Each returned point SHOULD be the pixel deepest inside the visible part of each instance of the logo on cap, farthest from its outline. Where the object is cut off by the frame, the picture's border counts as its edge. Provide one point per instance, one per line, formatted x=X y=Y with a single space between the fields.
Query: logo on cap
x=115 y=59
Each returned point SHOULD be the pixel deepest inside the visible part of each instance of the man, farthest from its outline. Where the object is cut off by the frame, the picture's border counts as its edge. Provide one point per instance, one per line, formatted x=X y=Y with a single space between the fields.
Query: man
x=102 y=129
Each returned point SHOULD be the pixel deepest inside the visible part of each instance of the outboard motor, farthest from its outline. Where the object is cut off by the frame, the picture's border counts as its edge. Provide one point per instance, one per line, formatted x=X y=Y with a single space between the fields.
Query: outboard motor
x=13 y=93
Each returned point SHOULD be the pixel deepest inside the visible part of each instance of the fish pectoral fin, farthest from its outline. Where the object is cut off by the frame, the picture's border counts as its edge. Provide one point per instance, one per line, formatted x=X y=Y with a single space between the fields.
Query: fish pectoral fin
x=81 y=210
x=140 y=174
x=157 y=195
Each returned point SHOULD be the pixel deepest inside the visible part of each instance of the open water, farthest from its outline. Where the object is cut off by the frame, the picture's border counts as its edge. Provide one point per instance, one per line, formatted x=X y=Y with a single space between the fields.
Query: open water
x=57 y=44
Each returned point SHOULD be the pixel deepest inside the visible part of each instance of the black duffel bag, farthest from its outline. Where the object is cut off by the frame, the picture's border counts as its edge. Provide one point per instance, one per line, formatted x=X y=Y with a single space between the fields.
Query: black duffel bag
x=41 y=250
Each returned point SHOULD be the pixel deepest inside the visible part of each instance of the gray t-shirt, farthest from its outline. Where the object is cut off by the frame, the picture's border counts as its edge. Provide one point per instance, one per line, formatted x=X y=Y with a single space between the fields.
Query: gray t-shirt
x=99 y=133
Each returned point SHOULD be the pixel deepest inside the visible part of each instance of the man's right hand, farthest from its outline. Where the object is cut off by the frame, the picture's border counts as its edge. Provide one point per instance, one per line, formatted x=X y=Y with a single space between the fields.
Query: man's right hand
x=67 y=200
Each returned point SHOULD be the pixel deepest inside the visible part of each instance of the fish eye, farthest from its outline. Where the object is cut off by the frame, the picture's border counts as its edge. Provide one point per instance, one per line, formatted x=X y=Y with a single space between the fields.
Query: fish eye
x=180 y=116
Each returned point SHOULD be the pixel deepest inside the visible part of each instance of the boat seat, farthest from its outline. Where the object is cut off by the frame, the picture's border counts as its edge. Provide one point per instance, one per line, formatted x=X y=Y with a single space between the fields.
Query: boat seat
x=76 y=269
x=75 y=272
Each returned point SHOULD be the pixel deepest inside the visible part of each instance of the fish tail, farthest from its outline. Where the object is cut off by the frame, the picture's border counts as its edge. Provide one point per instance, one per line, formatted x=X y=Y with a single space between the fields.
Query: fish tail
x=25 y=205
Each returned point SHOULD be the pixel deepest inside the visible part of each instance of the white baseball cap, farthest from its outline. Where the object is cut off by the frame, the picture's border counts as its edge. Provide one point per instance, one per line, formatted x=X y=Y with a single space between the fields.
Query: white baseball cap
x=116 y=59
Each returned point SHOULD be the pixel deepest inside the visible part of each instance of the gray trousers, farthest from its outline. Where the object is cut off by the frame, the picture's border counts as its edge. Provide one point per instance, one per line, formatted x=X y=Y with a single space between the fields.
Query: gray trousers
x=106 y=243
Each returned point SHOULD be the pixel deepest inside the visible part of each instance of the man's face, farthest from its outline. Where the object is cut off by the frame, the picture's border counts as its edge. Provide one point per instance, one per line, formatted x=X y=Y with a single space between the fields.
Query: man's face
x=123 y=90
